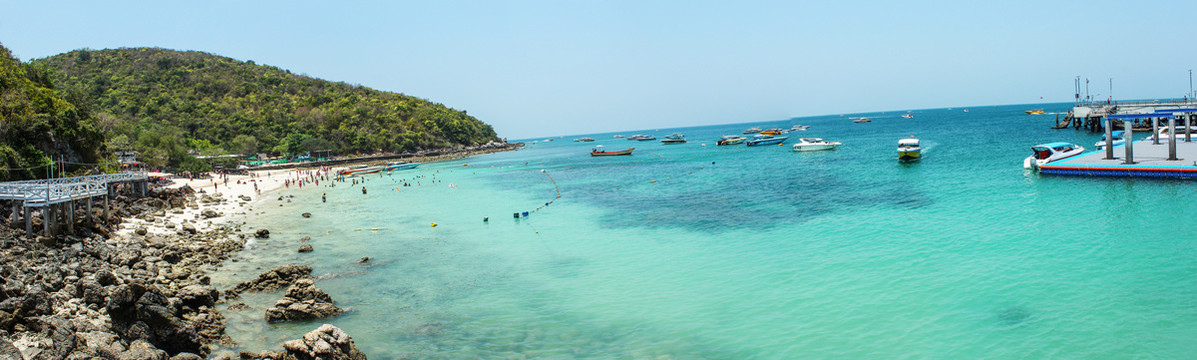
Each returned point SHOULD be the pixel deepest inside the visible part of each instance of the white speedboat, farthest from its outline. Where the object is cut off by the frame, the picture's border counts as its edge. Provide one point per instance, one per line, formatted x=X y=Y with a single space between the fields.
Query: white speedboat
x=1164 y=134
x=909 y=149
x=907 y=116
x=1046 y=153
x=799 y=127
x=1119 y=139
x=815 y=144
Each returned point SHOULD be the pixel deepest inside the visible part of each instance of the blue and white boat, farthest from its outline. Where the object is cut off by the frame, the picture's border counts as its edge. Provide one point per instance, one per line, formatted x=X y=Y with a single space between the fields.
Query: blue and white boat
x=1119 y=139
x=401 y=166
x=761 y=140
x=1046 y=153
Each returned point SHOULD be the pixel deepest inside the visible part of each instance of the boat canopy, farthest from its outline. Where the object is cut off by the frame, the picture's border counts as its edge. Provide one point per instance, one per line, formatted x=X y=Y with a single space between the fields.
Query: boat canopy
x=908 y=142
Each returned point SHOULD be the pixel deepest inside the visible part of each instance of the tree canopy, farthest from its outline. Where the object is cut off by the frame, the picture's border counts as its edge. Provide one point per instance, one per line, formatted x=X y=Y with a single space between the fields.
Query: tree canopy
x=38 y=123
x=165 y=103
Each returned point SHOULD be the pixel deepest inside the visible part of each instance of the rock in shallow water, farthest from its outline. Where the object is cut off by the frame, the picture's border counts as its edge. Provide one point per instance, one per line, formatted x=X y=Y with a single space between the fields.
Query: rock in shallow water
x=305 y=248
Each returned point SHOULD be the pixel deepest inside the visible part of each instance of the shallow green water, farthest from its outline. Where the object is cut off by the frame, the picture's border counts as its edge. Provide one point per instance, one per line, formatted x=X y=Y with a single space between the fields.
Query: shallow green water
x=690 y=251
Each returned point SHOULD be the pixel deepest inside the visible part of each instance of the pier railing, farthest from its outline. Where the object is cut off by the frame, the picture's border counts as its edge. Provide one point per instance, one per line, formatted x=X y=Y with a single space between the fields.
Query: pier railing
x=43 y=192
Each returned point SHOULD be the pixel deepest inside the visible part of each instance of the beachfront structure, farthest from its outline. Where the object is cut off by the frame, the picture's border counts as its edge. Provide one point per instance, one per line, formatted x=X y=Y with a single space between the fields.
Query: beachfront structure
x=1145 y=158
x=1092 y=115
x=61 y=195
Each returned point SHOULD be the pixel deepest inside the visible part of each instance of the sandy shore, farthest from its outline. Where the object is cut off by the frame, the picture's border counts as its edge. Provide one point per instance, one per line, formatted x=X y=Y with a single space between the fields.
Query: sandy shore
x=233 y=196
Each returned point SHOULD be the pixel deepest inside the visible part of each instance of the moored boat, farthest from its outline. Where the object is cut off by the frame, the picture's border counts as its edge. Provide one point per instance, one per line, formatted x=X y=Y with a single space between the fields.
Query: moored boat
x=599 y=151
x=617 y=136
x=815 y=144
x=1119 y=138
x=646 y=138
x=675 y=138
x=909 y=149
x=400 y=165
x=761 y=140
x=907 y=116
x=361 y=170
x=772 y=131
x=586 y=139
x=1035 y=112
x=799 y=127
x=1046 y=153
x=730 y=140
x=752 y=130
x=862 y=120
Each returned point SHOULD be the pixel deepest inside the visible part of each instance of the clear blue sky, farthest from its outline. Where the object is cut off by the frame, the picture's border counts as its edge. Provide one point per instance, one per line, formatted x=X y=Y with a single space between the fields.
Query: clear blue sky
x=535 y=69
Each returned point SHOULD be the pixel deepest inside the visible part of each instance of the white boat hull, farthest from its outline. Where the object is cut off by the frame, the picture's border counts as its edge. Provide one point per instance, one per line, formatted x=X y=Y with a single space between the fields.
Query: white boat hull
x=817 y=147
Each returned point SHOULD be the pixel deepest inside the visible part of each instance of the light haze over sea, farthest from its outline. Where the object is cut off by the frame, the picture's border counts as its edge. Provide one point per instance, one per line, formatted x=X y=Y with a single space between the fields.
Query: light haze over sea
x=705 y=252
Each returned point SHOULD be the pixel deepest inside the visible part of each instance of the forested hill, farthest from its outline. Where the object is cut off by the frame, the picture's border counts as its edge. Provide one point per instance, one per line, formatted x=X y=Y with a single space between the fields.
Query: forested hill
x=156 y=100
x=38 y=123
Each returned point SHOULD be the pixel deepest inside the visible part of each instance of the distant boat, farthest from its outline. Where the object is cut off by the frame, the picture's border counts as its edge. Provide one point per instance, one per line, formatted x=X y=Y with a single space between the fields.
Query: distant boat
x=815 y=144
x=400 y=166
x=675 y=138
x=799 y=127
x=360 y=170
x=647 y=138
x=549 y=139
x=761 y=140
x=772 y=131
x=862 y=120
x=730 y=140
x=599 y=151
x=586 y=139
x=909 y=149
x=965 y=110
x=1032 y=112
x=1046 y=153
x=752 y=130
x=617 y=136
x=907 y=116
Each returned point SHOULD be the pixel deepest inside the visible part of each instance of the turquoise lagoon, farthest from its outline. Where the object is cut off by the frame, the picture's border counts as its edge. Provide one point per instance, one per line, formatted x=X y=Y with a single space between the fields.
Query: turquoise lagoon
x=695 y=251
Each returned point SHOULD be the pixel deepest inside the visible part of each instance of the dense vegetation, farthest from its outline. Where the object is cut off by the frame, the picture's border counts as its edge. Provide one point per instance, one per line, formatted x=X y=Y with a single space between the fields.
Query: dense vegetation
x=38 y=123
x=166 y=103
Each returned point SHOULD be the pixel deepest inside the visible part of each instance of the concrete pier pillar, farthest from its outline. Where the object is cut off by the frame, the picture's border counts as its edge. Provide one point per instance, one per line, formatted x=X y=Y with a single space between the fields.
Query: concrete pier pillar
x=1188 y=127
x=15 y=213
x=47 y=218
x=89 y=216
x=1155 y=131
x=1109 y=139
x=1172 y=139
x=106 y=217
x=28 y=220
x=70 y=216
x=1130 y=145
x=143 y=186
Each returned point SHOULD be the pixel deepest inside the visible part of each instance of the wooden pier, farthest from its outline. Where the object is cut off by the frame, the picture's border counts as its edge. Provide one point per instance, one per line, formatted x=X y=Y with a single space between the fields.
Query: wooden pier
x=61 y=195
x=1092 y=115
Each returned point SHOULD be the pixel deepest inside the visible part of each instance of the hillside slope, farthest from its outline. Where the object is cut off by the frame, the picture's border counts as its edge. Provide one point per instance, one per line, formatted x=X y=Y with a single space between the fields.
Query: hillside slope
x=38 y=124
x=152 y=99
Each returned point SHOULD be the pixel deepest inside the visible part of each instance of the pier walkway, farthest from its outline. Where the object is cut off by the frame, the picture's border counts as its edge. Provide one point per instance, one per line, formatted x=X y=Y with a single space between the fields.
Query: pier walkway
x=1150 y=160
x=60 y=195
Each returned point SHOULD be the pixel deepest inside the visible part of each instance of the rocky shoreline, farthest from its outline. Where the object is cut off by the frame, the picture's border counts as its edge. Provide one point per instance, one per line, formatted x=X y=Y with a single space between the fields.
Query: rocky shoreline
x=145 y=295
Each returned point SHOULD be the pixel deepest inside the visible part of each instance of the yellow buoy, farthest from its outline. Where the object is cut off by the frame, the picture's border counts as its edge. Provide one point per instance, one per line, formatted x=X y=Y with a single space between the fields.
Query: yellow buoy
x=373 y=229
x=433 y=224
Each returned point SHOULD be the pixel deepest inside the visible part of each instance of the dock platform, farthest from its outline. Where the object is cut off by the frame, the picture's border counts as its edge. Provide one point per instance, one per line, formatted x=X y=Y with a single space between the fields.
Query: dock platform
x=1150 y=160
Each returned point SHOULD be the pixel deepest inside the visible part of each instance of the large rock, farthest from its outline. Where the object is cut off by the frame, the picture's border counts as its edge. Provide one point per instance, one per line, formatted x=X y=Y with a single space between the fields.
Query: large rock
x=304 y=301
x=305 y=248
x=199 y=295
x=327 y=343
x=140 y=312
x=189 y=228
x=142 y=350
x=209 y=213
x=262 y=234
x=274 y=279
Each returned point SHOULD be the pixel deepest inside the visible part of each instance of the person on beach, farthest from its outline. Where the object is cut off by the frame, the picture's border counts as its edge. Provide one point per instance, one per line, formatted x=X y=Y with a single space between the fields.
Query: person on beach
x=363 y=190
x=324 y=197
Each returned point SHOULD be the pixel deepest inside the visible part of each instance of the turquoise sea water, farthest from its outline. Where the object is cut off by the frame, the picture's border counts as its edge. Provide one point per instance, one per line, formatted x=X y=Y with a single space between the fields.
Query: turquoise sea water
x=705 y=252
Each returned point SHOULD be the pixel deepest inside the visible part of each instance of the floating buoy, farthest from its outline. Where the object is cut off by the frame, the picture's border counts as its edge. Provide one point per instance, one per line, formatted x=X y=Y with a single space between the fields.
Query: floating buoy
x=433 y=224
x=515 y=215
x=525 y=214
x=373 y=229
x=485 y=219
